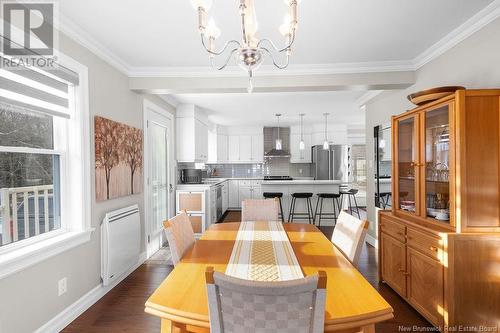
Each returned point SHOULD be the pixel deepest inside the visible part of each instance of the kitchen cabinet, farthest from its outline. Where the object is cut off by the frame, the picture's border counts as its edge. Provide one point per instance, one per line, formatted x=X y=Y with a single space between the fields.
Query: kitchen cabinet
x=394 y=263
x=425 y=284
x=234 y=195
x=297 y=155
x=249 y=189
x=222 y=148
x=233 y=148
x=245 y=193
x=193 y=202
x=246 y=148
x=225 y=196
x=257 y=148
x=191 y=140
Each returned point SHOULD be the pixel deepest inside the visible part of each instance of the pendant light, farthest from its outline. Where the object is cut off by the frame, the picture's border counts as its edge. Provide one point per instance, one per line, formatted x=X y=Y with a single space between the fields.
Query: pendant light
x=302 y=145
x=326 y=144
x=279 y=143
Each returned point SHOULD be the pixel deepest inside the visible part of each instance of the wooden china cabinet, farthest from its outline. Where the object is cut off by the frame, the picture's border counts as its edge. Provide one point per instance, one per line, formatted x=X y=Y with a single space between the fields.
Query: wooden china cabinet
x=440 y=244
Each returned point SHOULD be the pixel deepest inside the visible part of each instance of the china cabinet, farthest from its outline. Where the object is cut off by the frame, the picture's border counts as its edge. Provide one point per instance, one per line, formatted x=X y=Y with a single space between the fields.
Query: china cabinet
x=445 y=217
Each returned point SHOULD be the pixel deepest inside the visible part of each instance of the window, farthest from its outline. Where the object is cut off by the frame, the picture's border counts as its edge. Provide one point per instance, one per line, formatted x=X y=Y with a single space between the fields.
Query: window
x=44 y=138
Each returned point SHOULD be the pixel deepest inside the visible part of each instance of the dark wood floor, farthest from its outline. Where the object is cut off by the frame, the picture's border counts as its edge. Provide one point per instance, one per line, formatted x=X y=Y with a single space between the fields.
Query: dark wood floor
x=122 y=309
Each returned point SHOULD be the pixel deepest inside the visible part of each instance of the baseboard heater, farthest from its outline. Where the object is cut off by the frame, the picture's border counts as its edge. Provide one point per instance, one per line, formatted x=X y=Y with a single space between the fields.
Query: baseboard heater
x=120 y=242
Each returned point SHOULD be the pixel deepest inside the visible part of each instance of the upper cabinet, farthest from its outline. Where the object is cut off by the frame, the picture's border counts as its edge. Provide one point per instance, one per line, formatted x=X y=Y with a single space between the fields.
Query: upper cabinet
x=446 y=162
x=246 y=148
x=298 y=155
x=191 y=134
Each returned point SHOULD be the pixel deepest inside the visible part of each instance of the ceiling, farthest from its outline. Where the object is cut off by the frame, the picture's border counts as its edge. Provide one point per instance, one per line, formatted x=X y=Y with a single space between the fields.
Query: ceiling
x=163 y=33
x=259 y=109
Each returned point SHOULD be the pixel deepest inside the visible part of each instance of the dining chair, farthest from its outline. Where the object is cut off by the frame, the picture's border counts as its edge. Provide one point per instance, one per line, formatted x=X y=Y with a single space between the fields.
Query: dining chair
x=180 y=235
x=260 y=210
x=349 y=235
x=237 y=305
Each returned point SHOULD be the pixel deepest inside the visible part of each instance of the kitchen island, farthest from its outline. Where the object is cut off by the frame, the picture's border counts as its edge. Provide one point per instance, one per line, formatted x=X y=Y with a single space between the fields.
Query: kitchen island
x=287 y=187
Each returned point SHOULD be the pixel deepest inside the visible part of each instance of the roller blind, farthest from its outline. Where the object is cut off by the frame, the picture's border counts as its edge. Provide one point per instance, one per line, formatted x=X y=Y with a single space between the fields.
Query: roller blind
x=34 y=89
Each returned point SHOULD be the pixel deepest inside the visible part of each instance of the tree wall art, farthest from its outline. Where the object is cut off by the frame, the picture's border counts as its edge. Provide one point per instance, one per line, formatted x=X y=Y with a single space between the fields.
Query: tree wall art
x=118 y=159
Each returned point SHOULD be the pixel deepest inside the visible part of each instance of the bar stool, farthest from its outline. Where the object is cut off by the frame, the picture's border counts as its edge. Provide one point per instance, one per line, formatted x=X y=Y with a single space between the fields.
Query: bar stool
x=335 y=199
x=350 y=193
x=309 y=213
x=272 y=195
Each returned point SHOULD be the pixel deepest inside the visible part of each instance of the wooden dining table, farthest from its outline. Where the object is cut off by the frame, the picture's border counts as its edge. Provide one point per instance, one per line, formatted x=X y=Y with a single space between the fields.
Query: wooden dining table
x=352 y=304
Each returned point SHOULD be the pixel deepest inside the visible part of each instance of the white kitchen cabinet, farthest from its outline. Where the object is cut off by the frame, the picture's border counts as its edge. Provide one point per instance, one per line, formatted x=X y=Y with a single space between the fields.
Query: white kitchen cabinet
x=297 y=155
x=245 y=193
x=257 y=148
x=234 y=196
x=233 y=148
x=245 y=148
x=225 y=196
x=222 y=148
x=191 y=140
x=212 y=147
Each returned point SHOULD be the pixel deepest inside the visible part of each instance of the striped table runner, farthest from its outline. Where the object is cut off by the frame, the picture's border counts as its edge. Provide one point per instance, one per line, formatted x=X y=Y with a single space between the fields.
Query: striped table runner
x=262 y=252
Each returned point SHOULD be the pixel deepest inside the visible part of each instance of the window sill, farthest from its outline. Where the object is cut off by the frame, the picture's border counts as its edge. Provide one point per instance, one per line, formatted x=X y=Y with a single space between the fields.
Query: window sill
x=27 y=256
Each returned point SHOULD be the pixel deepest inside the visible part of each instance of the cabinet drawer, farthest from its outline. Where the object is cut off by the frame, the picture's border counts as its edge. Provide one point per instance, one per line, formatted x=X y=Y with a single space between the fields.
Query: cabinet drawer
x=190 y=201
x=426 y=244
x=246 y=183
x=196 y=223
x=394 y=229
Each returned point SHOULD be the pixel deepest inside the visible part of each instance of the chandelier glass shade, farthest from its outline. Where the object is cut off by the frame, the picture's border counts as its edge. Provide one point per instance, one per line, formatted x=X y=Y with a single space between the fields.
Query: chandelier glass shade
x=250 y=50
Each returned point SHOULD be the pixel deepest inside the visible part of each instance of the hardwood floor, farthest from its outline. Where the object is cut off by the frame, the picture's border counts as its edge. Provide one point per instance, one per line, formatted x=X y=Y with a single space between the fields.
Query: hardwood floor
x=122 y=309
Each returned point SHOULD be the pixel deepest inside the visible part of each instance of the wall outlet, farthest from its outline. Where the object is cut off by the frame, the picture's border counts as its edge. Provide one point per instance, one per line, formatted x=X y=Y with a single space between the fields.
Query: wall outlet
x=248 y=171
x=300 y=171
x=62 y=286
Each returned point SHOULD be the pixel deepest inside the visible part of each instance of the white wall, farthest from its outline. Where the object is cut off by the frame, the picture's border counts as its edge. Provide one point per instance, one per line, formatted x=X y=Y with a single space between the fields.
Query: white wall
x=474 y=63
x=28 y=299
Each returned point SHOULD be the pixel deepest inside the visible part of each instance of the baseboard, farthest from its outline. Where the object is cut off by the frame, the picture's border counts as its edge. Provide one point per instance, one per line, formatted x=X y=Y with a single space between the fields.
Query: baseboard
x=65 y=317
x=372 y=241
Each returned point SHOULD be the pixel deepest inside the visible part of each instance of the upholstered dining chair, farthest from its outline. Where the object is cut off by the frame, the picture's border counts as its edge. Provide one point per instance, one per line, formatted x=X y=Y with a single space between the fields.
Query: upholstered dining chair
x=236 y=305
x=349 y=235
x=260 y=210
x=180 y=236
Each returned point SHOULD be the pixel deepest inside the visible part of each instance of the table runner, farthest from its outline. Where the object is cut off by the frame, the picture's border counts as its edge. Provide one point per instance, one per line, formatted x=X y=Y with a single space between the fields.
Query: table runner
x=262 y=252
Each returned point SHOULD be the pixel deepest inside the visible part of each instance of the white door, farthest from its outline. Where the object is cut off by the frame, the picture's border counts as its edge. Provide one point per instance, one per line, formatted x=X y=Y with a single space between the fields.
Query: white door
x=158 y=180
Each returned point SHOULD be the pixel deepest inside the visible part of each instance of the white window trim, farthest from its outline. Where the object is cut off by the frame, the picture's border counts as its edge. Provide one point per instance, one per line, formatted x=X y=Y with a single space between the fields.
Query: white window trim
x=77 y=230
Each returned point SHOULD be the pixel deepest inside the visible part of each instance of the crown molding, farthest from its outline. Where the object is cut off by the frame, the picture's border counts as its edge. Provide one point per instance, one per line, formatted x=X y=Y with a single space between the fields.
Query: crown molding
x=79 y=35
x=368 y=96
x=468 y=28
x=267 y=70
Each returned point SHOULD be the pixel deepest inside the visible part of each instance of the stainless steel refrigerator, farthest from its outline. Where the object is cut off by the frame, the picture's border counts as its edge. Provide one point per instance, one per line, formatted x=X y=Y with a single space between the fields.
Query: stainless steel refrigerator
x=332 y=164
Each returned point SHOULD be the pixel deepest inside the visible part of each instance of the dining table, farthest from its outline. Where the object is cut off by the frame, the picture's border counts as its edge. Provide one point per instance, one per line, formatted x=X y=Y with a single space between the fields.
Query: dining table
x=352 y=303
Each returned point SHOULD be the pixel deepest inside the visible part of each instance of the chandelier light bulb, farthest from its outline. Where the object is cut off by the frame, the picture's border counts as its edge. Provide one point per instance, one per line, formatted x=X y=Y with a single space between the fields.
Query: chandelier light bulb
x=211 y=30
x=205 y=4
x=302 y=145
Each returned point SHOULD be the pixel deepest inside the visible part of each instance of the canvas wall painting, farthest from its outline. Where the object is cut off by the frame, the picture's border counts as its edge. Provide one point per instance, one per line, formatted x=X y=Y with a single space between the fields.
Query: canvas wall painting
x=118 y=159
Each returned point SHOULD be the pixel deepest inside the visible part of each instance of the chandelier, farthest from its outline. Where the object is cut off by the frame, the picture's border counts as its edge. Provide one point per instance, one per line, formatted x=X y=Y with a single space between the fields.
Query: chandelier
x=250 y=50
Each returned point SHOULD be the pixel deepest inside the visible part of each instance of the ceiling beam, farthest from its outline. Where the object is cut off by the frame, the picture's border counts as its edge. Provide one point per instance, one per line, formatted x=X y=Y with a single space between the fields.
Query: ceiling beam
x=274 y=83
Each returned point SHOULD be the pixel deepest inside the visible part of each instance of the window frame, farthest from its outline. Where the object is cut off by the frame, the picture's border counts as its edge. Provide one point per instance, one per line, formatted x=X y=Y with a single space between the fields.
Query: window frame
x=75 y=184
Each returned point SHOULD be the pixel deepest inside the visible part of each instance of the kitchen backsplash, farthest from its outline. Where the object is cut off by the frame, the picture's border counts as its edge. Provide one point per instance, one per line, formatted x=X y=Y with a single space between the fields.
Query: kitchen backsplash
x=272 y=167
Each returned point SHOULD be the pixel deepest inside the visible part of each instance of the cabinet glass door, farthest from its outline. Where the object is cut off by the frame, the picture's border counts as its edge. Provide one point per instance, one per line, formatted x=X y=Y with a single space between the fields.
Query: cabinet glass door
x=406 y=164
x=437 y=163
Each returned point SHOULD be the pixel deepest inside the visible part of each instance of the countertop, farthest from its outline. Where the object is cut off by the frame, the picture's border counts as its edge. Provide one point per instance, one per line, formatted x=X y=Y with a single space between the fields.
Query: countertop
x=263 y=182
x=302 y=182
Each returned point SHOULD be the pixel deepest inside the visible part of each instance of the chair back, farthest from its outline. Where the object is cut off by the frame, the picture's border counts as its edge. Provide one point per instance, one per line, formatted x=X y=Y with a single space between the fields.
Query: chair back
x=180 y=235
x=349 y=235
x=236 y=305
x=260 y=210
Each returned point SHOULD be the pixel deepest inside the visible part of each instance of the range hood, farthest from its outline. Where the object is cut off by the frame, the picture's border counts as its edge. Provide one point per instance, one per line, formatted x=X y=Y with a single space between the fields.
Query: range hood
x=270 y=136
